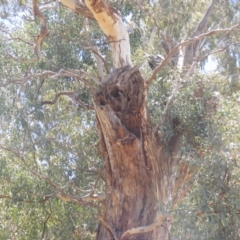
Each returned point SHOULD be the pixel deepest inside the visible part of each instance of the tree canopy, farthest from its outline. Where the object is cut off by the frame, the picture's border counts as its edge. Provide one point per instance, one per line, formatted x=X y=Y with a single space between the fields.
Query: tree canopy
x=53 y=56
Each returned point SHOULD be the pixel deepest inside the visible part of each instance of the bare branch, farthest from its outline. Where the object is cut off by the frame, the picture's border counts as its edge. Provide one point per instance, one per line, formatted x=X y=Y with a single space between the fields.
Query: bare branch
x=80 y=190
x=202 y=25
x=44 y=29
x=145 y=229
x=72 y=73
x=62 y=73
x=213 y=52
x=25 y=79
x=185 y=43
x=76 y=199
x=15 y=38
x=56 y=98
x=95 y=51
x=72 y=96
x=45 y=224
x=21 y=59
x=168 y=44
x=91 y=197
x=38 y=42
x=191 y=50
x=6 y=197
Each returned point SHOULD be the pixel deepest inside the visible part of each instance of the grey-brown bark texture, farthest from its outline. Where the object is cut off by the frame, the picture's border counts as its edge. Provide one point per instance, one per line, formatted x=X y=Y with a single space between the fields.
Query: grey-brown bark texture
x=141 y=170
x=132 y=156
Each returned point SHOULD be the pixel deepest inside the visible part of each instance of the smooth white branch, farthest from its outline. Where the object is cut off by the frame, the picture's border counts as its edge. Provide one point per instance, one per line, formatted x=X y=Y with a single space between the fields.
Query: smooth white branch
x=110 y=21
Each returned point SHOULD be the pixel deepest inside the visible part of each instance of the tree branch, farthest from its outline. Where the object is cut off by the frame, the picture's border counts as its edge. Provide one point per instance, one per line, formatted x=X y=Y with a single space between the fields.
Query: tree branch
x=45 y=225
x=44 y=29
x=110 y=21
x=78 y=7
x=145 y=229
x=202 y=25
x=4 y=196
x=38 y=42
x=108 y=227
x=95 y=51
x=15 y=38
x=191 y=50
x=185 y=43
x=213 y=52
x=77 y=199
x=25 y=79
x=72 y=96
x=62 y=73
x=21 y=157
x=74 y=74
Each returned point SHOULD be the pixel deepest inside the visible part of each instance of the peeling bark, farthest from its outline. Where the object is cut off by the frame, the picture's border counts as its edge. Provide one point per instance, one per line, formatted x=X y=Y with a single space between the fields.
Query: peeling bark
x=110 y=21
x=78 y=7
x=138 y=172
x=141 y=171
x=121 y=114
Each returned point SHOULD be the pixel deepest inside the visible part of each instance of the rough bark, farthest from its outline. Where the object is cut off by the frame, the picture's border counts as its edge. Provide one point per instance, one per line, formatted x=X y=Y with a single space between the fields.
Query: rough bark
x=141 y=171
x=137 y=171
x=120 y=108
x=133 y=157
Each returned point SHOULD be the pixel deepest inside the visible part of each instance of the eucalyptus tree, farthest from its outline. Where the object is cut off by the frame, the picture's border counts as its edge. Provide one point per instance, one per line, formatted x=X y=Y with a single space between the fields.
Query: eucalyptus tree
x=150 y=154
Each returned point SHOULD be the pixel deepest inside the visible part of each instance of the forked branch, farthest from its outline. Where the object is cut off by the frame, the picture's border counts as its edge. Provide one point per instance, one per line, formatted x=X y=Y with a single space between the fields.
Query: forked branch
x=192 y=49
x=185 y=43
x=72 y=96
x=75 y=74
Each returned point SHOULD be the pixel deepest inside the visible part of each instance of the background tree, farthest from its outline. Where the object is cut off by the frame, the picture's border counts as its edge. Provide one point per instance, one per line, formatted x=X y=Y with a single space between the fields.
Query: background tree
x=78 y=142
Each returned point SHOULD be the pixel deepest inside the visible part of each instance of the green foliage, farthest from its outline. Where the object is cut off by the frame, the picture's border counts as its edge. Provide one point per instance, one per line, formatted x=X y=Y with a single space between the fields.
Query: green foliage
x=59 y=141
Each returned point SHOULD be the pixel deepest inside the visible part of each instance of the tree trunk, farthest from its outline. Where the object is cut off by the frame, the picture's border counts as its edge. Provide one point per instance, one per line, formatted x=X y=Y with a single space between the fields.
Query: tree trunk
x=131 y=154
x=139 y=174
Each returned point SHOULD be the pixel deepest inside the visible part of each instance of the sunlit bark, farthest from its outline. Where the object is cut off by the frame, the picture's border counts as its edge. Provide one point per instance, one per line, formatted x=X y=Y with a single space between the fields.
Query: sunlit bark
x=141 y=172
x=110 y=21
